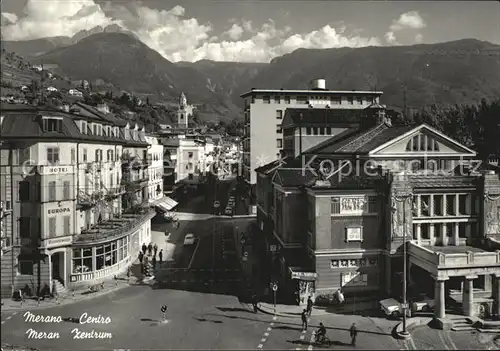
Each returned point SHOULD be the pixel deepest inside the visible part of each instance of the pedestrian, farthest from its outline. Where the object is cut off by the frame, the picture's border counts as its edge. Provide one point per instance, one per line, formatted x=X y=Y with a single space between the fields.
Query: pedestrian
x=144 y=248
x=304 y=319
x=254 y=303
x=155 y=249
x=150 y=249
x=309 y=306
x=141 y=256
x=354 y=332
x=160 y=256
x=297 y=299
x=153 y=261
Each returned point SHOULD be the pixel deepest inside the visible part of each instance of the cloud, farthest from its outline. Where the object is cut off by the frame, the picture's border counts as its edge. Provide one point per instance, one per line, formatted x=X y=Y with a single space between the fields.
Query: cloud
x=235 y=32
x=8 y=18
x=410 y=20
x=174 y=34
x=419 y=38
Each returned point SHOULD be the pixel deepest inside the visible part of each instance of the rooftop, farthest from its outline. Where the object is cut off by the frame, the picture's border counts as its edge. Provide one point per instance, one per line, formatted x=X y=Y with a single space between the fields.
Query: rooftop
x=314 y=92
x=321 y=116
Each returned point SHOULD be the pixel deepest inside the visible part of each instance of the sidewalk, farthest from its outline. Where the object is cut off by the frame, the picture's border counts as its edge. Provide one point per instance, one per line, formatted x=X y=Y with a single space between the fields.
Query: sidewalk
x=294 y=310
x=111 y=285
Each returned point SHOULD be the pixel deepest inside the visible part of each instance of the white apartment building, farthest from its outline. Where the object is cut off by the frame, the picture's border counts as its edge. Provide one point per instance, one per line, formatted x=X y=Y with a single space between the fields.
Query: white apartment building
x=264 y=112
x=155 y=157
x=70 y=186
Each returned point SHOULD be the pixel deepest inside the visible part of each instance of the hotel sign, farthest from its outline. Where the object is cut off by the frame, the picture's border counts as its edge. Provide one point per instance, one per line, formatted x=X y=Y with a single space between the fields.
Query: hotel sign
x=57 y=211
x=56 y=242
x=47 y=170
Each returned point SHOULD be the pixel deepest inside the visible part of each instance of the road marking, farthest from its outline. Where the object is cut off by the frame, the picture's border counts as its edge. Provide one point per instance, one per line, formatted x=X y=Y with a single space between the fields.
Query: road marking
x=269 y=329
x=450 y=340
x=272 y=324
x=441 y=337
x=266 y=334
x=311 y=341
x=302 y=337
x=263 y=340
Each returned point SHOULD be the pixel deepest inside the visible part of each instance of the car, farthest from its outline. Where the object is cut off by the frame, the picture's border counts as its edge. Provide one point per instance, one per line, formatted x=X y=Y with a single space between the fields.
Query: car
x=422 y=303
x=392 y=308
x=216 y=204
x=189 y=239
x=228 y=211
x=232 y=198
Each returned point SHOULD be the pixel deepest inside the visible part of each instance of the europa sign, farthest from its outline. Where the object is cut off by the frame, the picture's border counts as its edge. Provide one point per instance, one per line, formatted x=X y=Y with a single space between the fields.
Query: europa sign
x=55 y=211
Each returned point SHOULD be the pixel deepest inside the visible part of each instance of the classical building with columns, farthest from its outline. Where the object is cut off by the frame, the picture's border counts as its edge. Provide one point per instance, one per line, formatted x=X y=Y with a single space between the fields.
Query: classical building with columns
x=334 y=215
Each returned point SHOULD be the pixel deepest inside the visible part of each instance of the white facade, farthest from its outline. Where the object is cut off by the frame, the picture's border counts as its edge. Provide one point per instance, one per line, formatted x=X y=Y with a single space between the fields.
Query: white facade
x=155 y=155
x=264 y=112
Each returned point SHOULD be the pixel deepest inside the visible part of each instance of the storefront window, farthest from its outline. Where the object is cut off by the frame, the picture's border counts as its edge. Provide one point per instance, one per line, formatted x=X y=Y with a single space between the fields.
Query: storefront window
x=82 y=260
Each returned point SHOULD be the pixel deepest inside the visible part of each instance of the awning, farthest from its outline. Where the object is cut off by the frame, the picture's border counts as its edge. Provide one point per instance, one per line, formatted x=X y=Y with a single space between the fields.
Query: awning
x=166 y=203
x=302 y=274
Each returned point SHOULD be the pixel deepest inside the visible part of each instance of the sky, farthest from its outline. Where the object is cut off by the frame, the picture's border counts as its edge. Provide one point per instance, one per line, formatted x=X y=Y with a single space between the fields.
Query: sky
x=253 y=30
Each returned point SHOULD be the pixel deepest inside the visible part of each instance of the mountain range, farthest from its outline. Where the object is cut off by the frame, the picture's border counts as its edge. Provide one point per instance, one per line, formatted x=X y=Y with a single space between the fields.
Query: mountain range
x=463 y=71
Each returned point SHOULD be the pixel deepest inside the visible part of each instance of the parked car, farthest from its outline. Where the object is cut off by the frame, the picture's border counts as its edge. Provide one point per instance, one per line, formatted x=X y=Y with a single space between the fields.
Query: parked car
x=189 y=239
x=422 y=303
x=216 y=204
x=393 y=308
x=228 y=211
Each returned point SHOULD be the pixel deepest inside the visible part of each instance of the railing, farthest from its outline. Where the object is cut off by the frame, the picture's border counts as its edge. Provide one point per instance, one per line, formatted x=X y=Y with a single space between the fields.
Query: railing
x=102 y=273
x=126 y=224
x=423 y=253
x=470 y=259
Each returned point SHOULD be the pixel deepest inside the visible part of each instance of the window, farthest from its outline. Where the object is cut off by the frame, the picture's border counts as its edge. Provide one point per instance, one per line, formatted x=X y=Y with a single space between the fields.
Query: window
x=425 y=205
x=66 y=190
x=278 y=129
x=84 y=155
x=372 y=204
x=350 y=100
x=53 y=155
x=315 y=131
x=425 y=230
x=462 y=204
x=253 y=99
x=122 y=248
x=450 y=205
x=52 y=227
x=279 y=143
x=308 y=130
x=321 y=130
x=422 y=143
x=266 y=99
x=84 y=127
x=354 y=279
x=73 y=156
x=190 y=154
x=302 y=100
x=354 y=234
x=52 y=125
x=287 y=99
x=82 y=260
x=24 y=227
x=450 y=228
x=106 y=255
x=66 y=225
x=24 y=155
x=26 y=267
x=462 y=232
x=335 y=205
x=96 y=158
x=94 y=129
x=277 y=99
x=24 y=191
x=335 y=100
x=438 y=205
x=52 y=191
x=279 y=114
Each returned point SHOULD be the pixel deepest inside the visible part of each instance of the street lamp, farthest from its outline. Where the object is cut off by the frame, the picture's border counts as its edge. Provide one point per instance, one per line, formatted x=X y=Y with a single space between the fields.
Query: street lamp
x=402 y=196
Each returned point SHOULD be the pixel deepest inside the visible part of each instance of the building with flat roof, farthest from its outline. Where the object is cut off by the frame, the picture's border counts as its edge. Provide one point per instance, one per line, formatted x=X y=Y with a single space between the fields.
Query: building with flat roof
x=263 y=138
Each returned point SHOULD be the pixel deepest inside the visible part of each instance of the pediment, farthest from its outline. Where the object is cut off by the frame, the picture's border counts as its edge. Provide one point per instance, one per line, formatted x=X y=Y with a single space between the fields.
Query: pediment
x=423 y=140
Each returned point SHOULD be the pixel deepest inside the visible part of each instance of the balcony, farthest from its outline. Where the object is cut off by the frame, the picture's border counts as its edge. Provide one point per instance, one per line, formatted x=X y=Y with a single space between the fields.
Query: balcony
x=114 y=228
x=132 y=162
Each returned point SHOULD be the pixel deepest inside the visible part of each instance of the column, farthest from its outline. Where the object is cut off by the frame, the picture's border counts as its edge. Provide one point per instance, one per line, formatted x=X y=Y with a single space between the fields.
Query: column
x=419 y=205
x=468 y=233
x=50 y=272
x=444 y=234
x=496 y=295
x=439 y=297
x=431 y=234
x=456 y=235
x=444 y=205
x=419 y=233
x=431 y=205
x=468 y=296
x=457 y=205
x=488 y=278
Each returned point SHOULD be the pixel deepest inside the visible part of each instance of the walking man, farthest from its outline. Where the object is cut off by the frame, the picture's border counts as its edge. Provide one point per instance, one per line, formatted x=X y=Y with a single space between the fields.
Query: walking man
x=309 y=306
x=144 y=248
x=304 y=319
x=155 y=249
x=153 y=261
x=150 y=249
x=254 y=303
x=354 y=332
x=160 y=256
x=141 y=256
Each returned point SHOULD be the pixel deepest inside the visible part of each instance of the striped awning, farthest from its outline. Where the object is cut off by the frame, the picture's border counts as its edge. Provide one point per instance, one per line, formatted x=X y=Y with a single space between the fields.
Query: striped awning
x=165 y=203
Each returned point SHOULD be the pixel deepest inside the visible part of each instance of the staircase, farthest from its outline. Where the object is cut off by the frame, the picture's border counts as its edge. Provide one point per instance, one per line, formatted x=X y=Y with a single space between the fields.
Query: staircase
x=58 y=287
x=461 y=324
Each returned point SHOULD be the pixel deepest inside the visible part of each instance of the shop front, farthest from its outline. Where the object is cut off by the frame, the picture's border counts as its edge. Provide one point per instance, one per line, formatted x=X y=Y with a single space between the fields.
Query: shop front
x=92 y=263
x=304 y=284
